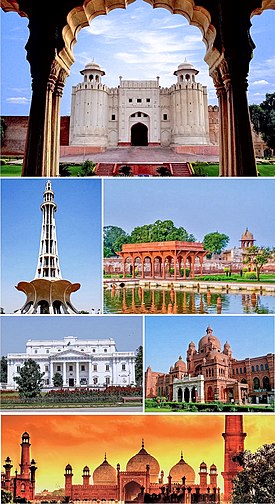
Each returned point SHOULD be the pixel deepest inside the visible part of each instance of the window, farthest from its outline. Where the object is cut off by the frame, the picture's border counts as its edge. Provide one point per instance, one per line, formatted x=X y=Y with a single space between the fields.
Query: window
x=113 y=117
x=123 y=367
x=71 y=368
x=138 y=100
x=95 y=367
x=244 y=369
x=82 y=367
x=130 y=100
x=95 y=381
x=253 y=369
x=105 y=349
x=108 y=380
x=266 y=366
x=82 y=349
x=257 y=368
x=18 y=369
x=94 y=350
x=107 y=367
x=47 y=351
x=148 y=100
x=35 y=351
x=237 y=371
x=46 y=368
x=262 y=367
x=58 y=368
x=139 y=114
x=241 y=370
x=165 y=117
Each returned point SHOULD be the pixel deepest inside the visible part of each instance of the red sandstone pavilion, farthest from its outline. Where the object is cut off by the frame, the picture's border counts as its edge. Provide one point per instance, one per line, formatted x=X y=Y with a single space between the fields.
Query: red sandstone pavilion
x=143 y=479
x=157 y=258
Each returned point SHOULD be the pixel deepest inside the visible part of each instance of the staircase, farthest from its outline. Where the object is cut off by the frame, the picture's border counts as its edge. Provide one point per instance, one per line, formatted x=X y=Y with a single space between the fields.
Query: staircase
x=181 y=170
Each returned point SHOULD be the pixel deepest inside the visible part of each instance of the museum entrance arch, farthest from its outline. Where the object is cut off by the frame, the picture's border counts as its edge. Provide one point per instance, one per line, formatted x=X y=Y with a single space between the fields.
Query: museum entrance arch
x=49 y=49
x=131 y=491
x=139 y=135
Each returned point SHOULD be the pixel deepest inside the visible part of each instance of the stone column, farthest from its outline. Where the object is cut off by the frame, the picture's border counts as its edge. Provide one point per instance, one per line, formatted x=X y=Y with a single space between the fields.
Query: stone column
x=142 y=267
x=64 y=374
x=77 y=373
x=51 y=374
x=90 y=372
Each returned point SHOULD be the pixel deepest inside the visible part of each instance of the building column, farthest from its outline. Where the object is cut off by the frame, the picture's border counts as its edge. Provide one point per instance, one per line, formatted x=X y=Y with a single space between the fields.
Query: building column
x=77 y=373
x=51 y=374
x=142 y=268
x=64 y=374
x=90 y=372
x=114 y=372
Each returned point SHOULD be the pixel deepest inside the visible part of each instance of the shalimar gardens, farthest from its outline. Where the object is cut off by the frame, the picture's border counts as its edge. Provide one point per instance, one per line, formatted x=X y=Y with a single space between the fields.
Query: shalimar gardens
x=185 y=249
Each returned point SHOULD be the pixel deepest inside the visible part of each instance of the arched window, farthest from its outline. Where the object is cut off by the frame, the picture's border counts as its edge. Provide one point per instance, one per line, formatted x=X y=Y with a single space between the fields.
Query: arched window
x=257 y=368
x=253 y=369
x=266 y=367
x=262 y=367
x=266 y=383
x=256 y=383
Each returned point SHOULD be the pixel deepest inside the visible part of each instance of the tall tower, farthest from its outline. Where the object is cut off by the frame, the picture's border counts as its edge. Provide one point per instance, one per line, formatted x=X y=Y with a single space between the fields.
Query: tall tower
x=233 y=444
x=247 y=239
x=68 y=480
x=48 y=262
x=25 y=456
x=48 y=293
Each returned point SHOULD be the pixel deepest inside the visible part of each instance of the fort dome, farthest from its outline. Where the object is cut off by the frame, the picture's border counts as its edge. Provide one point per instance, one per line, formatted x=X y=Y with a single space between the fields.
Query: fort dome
x=181 y=470
x=180 y=364
x=247 y=235
x=105 y=474
x=138 y=463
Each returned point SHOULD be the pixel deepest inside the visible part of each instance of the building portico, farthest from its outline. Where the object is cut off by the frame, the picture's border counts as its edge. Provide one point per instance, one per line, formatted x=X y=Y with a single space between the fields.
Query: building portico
x=92 y=363
x=162 y=259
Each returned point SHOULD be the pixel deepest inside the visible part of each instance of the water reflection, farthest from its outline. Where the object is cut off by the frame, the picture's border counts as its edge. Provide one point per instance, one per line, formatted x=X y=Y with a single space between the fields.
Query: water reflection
x=170 y=301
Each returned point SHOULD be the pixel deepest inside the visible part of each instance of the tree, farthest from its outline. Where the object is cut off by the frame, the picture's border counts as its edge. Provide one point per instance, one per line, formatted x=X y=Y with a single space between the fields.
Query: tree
x=160 y=231
x=30 y=380
x=3 y=128
x=3 y=370
x=57 y=380
x=255 y=483
x=139 y=366
x=110 y=235
x=215 y=242
x=257 y=257
x=263 y=119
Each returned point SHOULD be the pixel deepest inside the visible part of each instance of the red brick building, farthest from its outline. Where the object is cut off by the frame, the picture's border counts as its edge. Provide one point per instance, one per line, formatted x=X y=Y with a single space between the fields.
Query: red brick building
x=213 y=374
x=23 y=484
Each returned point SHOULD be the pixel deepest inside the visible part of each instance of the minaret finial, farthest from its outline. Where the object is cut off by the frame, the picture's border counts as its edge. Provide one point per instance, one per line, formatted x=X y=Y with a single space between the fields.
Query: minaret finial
x=142 y=443
x=105 y=457
x=181 y=455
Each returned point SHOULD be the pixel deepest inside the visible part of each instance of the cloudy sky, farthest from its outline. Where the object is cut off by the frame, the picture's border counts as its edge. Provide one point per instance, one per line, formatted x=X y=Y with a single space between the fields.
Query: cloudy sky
x=136 y=43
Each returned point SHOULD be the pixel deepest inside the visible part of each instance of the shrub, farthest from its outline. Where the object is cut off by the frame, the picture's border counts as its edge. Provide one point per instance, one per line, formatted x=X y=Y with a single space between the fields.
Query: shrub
x=250 y=275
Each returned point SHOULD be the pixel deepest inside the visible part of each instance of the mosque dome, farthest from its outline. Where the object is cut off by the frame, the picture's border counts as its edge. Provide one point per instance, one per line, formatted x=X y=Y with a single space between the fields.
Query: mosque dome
x=247 y=235
x=138 y=463
x=105 y=474
x=180 y=470
x=186 y=67
x=209 y=340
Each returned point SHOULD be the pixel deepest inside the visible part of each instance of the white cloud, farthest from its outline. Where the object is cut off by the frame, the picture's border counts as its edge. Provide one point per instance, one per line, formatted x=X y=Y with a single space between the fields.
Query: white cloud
x=19 y=100
x=259 y=83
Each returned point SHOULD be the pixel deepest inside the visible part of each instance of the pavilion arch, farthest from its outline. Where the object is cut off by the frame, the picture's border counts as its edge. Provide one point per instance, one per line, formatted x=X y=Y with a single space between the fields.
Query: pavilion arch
x=53 y=33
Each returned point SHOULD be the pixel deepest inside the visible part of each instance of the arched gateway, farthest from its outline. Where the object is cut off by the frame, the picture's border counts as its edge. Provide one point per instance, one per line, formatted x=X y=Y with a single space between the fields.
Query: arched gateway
x=53 y=32
x=174 y=259
x=139 y=134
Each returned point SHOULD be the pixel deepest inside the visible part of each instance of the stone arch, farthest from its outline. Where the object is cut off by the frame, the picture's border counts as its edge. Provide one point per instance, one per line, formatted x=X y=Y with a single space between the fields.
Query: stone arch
x=139 y=134
x=131 y=491
x=266 y=383
x=180 y=395
x=256 y=383
x=186 y=394
x=210 y=394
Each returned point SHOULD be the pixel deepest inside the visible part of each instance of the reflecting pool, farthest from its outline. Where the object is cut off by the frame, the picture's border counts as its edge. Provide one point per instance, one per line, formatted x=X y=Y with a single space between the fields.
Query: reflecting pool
x=167 y=301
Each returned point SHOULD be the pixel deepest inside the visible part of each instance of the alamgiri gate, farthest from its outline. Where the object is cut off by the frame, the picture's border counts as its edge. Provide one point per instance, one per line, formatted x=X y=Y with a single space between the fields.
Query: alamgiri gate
x=142 y=481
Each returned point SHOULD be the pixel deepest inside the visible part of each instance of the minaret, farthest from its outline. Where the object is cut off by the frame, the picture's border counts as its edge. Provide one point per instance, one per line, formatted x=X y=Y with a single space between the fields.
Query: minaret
x=48 y=293
x=48 y=262
x=213 y=476
x=8 y=466
x=233 y=444
x=68 y=480
x=86 y=476
x=25 y=456
x=203 y=477
x=33 y=468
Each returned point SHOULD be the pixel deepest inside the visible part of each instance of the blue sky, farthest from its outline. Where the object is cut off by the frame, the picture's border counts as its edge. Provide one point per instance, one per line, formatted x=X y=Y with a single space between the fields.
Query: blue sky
x=16 y=330
x=79 y=237
x=248 y=336
x=227 y=206
x=136 y=43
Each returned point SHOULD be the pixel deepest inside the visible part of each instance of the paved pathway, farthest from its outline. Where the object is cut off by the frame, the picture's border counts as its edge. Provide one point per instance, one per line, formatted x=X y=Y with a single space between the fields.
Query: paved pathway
x=138 y=155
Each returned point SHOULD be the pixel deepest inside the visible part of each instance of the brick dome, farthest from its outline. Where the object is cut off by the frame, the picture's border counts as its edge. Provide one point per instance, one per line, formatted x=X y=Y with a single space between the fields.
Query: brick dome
x=180 y=364
x=180 y=470
x=139 y=461
x=209 y=341
x=105 y=474
x=247 y=235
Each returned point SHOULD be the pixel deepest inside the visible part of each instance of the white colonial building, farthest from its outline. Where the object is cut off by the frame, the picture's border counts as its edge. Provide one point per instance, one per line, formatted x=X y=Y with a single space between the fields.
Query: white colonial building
x=139 y=112
x=94 y=363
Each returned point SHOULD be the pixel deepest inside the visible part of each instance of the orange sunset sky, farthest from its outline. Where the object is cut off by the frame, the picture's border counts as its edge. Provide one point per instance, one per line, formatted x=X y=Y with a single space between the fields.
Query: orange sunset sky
x=57 y=440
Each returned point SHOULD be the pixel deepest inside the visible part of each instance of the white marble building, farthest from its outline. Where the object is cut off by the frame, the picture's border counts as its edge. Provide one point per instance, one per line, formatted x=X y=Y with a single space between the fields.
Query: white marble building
x=188 y=389
x=94 y=363
x=139 y=112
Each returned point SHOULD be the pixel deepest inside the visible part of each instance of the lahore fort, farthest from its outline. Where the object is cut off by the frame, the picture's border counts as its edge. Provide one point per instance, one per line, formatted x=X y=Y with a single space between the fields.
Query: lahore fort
x=211 y=373
x=143 y=480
